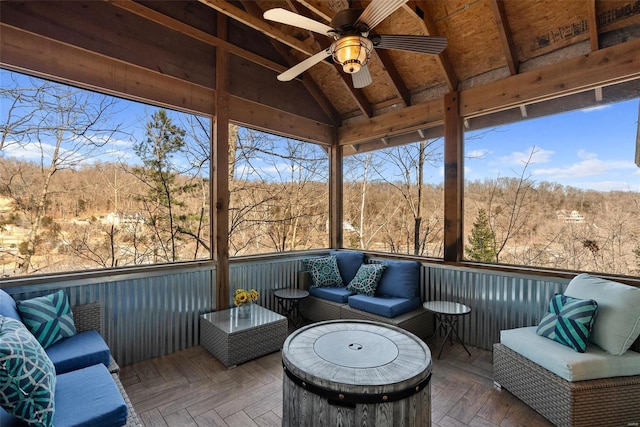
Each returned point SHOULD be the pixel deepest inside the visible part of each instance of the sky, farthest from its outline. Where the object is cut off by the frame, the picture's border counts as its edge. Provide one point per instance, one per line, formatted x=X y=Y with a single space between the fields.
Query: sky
x=588 y=149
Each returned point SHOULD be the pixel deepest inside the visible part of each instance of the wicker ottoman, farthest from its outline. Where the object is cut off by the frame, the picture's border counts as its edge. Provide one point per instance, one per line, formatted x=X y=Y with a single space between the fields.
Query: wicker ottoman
x=233 y=340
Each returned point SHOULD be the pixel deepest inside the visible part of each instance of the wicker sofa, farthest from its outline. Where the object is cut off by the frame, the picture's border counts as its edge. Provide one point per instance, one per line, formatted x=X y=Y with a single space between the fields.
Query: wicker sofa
x=78 y=362
x=601 y=391
x=316 y=308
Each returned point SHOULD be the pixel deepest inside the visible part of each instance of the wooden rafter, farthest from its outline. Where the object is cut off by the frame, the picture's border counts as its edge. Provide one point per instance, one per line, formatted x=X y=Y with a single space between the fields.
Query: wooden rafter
x=593 y=25
x=319 y=8
x=502 y=24
x=258 y=24
x=164 y=20
x=419 y=8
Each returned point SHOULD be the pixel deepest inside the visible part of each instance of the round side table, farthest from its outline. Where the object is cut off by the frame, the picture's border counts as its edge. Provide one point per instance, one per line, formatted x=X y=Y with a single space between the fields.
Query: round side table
x=288 y=300
x=447 y=314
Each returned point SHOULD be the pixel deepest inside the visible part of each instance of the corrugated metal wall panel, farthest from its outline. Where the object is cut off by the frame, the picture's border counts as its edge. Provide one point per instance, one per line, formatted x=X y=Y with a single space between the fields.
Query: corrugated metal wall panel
x=498 y=300
x=144 y=314
x=264 y=276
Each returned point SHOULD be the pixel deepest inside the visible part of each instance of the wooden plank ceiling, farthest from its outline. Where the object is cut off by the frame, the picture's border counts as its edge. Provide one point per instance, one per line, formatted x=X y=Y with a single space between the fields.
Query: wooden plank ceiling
x=510 y=58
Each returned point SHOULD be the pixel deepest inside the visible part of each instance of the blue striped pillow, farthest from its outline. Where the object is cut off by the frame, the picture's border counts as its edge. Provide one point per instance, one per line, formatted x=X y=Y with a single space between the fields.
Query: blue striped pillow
x=48 y=318
x=569 y=321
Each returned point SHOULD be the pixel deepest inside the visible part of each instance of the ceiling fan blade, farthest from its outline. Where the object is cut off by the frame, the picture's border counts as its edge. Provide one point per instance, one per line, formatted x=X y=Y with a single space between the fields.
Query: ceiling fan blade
x=377 y=11
x=290 y=18
x=303 y=66
x=420 y=44
x=362 y=78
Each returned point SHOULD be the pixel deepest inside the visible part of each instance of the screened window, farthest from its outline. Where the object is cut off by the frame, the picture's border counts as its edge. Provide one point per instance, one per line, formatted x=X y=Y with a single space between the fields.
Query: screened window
x=279 y=193
x=560 y=191
x=394 y=199
x=90 y=181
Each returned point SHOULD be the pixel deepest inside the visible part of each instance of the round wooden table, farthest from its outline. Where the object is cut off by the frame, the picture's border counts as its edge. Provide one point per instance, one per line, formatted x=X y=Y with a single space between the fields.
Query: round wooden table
x=447 y=314
x=345 y=371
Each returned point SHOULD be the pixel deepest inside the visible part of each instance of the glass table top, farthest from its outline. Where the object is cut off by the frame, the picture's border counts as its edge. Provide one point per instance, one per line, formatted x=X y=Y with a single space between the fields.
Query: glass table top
x=229 y=322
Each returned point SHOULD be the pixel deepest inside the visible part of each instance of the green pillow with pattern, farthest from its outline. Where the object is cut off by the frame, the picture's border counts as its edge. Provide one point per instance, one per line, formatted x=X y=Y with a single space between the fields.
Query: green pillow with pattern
x=27 y=376
x=324 y=271
x=367 y=278
x=49 y=317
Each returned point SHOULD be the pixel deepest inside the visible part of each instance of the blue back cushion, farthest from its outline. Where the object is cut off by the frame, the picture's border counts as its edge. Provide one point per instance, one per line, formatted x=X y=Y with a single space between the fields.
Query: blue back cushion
x=384 y=305
x=89 y=397
x=79 y=351
x=400 y=279
x=8 y=306
x=348 y=263
x=340 y=295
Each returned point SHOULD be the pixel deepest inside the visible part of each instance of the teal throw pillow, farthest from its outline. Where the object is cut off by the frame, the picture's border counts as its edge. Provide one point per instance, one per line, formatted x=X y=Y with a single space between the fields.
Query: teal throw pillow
x=49 y=318
x=324 y=271
x=569 y=321
x=27 y=376
x=367 y=279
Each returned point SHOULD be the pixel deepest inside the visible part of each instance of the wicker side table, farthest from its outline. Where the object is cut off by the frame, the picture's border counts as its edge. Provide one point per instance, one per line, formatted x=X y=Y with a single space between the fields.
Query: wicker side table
x=233 y=340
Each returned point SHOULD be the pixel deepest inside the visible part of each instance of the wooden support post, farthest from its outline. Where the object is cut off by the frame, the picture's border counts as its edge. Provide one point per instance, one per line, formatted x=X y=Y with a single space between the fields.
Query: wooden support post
x=221 y=174
x=335 y=195
x=453 y=179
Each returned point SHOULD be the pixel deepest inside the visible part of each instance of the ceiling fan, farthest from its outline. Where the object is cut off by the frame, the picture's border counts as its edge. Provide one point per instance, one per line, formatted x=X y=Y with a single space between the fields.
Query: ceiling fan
x=353 y=43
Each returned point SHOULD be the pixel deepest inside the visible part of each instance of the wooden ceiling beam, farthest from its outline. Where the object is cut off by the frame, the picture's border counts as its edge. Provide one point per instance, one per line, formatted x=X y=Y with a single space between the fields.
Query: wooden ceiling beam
x=258 y=24
x=166 y=21
x=615 y=64
x=419 y=7
x=593 y=25
x=320 y=8
x=404 y=120
x=504 y=32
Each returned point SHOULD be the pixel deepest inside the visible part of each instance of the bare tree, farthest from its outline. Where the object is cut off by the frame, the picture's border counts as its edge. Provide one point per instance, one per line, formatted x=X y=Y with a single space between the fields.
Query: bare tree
x=64 y=127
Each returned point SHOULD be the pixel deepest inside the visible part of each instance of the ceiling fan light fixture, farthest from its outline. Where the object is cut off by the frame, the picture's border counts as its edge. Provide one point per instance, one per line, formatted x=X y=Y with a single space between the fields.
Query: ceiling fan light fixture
x=351 y=52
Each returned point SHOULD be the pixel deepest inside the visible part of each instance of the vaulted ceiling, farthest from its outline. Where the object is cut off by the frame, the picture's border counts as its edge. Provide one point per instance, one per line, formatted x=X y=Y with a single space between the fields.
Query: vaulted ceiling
x=508 y=60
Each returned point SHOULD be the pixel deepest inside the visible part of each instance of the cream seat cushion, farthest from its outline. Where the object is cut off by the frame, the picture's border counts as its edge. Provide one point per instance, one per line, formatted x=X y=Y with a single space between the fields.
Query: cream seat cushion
x=563 y=361
x=617 y=324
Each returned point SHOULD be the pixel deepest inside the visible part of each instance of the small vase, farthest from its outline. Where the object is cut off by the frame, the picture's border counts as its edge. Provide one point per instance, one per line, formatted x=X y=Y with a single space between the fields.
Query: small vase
x=244 y=311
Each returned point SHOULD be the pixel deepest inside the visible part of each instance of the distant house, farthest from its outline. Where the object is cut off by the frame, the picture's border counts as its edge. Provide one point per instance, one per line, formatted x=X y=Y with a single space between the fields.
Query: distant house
x=6 y=204
x=573 y=216
x=118 y=219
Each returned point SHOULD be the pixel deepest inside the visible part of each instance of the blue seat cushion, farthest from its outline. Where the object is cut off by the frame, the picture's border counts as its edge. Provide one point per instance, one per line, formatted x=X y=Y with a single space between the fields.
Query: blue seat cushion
x=340 y=295
x=348 y=263
x=384 y=305
x=400 y=279
x=86 y=397
x=8 y=306
x=89 y=397
x=79 y=351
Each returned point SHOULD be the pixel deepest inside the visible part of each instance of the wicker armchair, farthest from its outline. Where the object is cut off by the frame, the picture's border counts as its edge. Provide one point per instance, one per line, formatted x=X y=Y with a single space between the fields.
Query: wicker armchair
x=592 y=403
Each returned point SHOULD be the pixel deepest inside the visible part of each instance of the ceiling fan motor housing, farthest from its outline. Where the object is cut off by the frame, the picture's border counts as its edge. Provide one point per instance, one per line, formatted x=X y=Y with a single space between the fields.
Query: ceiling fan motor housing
x=344 y=22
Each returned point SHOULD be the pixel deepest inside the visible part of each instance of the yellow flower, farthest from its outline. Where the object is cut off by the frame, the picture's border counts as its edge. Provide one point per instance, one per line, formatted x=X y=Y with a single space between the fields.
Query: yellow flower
x=243 y=296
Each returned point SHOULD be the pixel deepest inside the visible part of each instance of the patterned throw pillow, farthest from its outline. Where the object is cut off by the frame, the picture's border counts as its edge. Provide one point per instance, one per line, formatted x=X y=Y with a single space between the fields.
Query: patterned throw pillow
x=569 y=321
x=367 y=279
x=324 y=271
x=49 y=318
x=27 y=376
